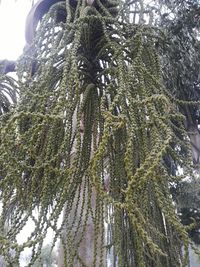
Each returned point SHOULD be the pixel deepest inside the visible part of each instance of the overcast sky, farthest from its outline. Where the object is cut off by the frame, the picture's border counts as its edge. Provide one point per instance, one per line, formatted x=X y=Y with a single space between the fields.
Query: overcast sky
x=12 y=26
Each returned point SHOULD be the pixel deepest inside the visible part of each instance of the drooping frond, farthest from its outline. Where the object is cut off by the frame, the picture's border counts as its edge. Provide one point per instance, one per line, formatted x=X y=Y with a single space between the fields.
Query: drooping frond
x=89 y=139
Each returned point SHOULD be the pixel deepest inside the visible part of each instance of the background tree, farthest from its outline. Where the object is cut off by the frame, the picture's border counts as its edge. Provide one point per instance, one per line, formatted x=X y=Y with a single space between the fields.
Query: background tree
x=180 y=60
x=47 y=258
x=181 y=69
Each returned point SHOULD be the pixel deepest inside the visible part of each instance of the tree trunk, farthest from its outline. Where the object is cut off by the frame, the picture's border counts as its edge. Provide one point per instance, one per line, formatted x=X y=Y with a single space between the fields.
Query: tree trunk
x=80 y=234
x=86 y=248
x=194 y=135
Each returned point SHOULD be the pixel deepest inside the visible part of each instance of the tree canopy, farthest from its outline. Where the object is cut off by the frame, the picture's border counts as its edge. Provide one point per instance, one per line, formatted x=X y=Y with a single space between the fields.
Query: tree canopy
x=104 y=113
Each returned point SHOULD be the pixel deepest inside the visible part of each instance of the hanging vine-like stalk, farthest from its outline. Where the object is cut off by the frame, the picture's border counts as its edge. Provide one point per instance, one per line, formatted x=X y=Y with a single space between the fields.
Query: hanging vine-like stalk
x=89 y=136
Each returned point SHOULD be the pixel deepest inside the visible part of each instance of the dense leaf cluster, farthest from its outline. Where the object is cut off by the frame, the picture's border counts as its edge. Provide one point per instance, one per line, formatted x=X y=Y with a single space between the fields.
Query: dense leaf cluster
x=96 y=132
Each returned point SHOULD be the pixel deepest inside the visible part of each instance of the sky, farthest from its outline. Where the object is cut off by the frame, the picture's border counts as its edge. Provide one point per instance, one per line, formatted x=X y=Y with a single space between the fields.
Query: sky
x=12 y=27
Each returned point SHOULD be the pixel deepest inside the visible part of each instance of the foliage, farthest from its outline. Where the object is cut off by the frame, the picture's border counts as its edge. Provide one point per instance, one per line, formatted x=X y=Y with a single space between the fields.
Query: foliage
x=187 y=197
x=102 y=70
x=180 y=60
x=46 y=258
x=181 y=57
x=8 y=93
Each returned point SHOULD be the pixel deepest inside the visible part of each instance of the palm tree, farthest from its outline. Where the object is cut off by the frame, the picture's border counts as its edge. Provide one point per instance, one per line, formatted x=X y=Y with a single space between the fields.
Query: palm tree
x=92 y=139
